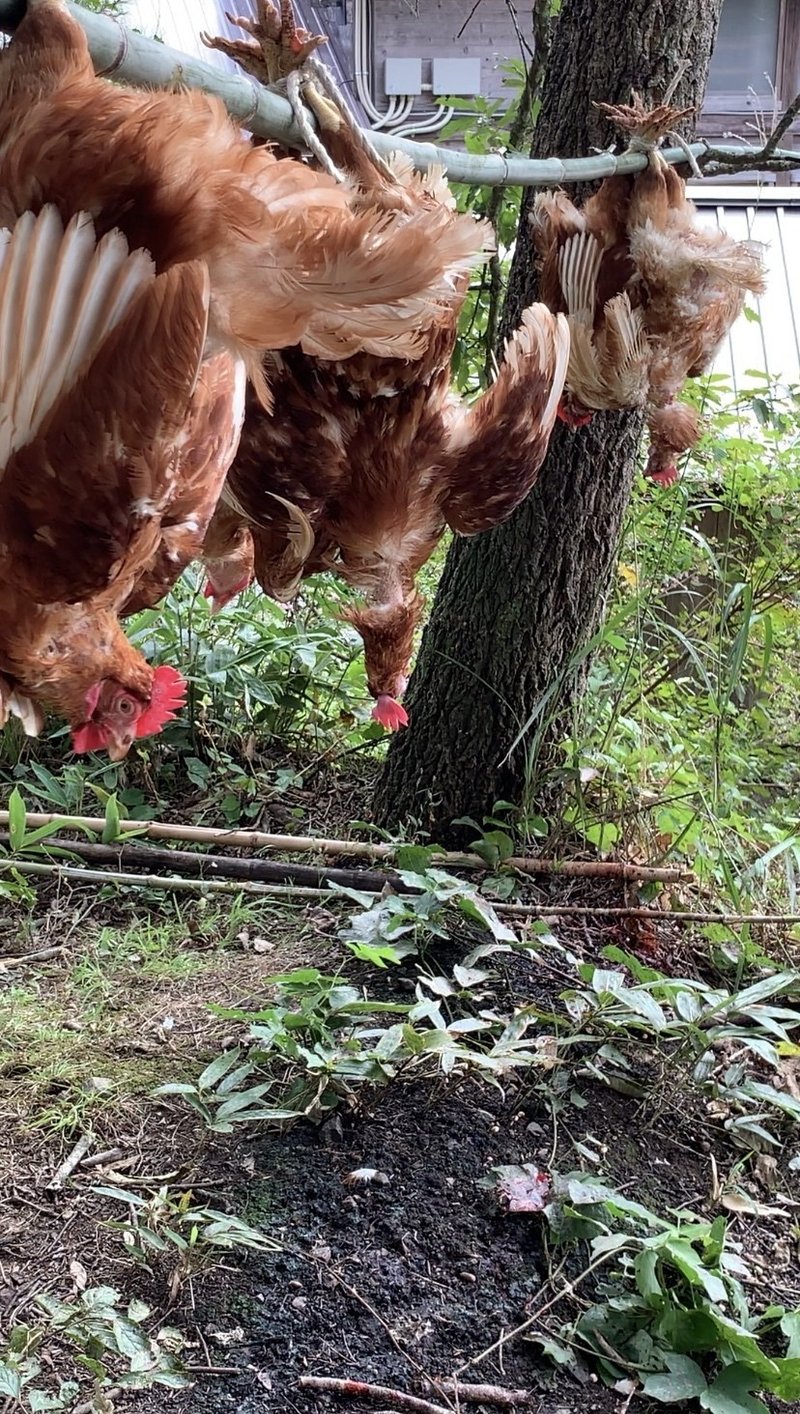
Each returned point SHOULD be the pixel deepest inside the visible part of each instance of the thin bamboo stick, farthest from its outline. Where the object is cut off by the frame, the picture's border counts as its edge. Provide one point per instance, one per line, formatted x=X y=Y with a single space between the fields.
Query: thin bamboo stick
x=357 y=849
x=158 y=881
x=290 y=892
x=134 y=59
x=223 y=866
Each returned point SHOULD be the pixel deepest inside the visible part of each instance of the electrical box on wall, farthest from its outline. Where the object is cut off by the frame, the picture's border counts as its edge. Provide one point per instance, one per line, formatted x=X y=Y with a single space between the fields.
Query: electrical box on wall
x=459 y=77
x=403 y=77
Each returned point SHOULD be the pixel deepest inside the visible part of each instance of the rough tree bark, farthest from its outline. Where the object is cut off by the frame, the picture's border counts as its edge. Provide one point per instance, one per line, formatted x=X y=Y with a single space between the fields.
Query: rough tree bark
x=517 y=605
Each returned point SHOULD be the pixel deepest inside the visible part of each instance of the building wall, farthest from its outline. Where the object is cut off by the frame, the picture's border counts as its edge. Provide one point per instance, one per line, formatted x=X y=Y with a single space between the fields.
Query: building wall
x=444 y=29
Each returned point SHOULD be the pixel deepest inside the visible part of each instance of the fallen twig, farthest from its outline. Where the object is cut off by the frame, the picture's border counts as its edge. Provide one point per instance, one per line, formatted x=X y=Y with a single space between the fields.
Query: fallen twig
x=108 y=1156
x=482 y=1394
x=503 y=1340
x=19 y=959
x=71 y=1162
x=363 y=849
x=395 y=1397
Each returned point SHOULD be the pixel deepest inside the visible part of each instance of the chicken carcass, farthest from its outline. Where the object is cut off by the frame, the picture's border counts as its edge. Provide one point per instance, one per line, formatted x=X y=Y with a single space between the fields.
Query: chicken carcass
x=367 y=460
x=649 y=292
x=145 y=239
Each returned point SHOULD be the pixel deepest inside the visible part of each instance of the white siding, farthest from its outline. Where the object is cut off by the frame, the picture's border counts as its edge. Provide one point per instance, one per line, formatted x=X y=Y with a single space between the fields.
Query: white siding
x=771 y=216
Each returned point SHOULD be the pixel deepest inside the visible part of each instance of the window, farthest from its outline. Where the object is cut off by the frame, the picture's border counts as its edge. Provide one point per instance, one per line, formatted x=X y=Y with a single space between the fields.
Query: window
x=746 y=53
x=757 y=55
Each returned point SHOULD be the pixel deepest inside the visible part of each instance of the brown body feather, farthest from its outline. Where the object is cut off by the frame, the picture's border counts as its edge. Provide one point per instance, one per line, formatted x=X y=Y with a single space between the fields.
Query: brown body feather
x=380 y=458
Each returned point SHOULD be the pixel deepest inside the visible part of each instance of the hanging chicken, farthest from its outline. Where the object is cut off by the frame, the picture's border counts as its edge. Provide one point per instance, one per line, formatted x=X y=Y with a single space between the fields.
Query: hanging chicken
x=147 y=240
x=366 y=461
x=650 y=292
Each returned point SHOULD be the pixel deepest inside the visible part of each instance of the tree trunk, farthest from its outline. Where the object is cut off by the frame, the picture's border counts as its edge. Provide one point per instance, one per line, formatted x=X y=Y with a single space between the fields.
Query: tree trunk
x=503 y=654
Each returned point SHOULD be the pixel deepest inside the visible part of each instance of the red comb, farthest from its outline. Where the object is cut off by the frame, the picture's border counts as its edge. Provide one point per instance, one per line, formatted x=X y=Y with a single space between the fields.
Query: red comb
x=389 y=713
x=89 y=737
x=167 y=697
x=667 y=476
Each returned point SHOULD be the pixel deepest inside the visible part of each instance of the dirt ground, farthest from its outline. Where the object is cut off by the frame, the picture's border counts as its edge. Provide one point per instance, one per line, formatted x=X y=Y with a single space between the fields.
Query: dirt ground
x=404 y=1279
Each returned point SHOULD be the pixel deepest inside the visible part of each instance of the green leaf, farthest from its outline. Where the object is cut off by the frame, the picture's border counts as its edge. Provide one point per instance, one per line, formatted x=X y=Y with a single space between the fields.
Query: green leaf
x=731 y=1392
x=790 y=1325
x=787 y=1383
x=10 y=1382
x=111 y=830
x=16 y=820
x=481 y=911
x=684 y=1381
x=683 y=1256
x=554 y=1350
x=220 y=1066
x=417 y=858
x=646 y=1270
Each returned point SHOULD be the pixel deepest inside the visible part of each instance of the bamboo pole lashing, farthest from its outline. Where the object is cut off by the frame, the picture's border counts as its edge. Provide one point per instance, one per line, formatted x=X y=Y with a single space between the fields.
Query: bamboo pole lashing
x=359 y=849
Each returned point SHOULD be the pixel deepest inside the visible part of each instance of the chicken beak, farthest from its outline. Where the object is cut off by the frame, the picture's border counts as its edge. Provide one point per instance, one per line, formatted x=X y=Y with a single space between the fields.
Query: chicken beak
x=119 y=746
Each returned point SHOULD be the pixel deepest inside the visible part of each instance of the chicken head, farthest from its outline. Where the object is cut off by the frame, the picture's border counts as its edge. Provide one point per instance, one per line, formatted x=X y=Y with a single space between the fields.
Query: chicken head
x=387 y=631
x=115 y=716
x=227 y=556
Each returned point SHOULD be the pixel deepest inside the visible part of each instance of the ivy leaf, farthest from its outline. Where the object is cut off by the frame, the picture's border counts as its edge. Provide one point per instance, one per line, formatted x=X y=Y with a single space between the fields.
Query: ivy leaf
x=481 y=911
x=684 y=1381
x=790 y=1325
x=731 y=1392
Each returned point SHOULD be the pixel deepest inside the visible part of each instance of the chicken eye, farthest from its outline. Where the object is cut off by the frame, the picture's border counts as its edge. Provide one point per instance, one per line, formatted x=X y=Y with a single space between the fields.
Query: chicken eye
x=125 y=707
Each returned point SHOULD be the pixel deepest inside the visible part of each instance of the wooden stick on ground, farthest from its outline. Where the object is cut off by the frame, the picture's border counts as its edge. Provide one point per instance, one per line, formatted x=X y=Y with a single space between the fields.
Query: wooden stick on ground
x=223 y=866
x=38 y=955
x=482 y=1394
x=71 y=1162
x=395 y=1397
x=364 y=849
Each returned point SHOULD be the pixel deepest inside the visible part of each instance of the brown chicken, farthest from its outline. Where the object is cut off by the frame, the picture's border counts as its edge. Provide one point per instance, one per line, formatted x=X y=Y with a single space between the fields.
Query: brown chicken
x=366 y=461
x=650 y=293
x=149 y=240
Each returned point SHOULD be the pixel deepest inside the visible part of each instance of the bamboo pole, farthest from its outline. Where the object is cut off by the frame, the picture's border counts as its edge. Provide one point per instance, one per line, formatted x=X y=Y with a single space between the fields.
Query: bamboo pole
x=134 y=59
x=222 y=866
x=357 y=849
x=289 y=892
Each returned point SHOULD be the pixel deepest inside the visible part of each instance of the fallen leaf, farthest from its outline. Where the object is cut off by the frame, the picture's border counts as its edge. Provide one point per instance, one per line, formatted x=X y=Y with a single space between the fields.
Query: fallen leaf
x=79 y=1274
x=750 y=1207
x=235 y=1336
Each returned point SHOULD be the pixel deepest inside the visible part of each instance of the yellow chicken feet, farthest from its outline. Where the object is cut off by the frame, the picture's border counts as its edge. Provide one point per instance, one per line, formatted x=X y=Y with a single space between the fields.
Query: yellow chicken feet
x=646 y=126
x=278 y=47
